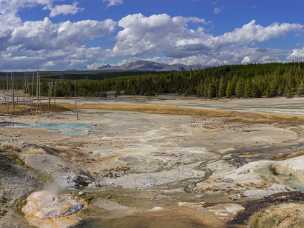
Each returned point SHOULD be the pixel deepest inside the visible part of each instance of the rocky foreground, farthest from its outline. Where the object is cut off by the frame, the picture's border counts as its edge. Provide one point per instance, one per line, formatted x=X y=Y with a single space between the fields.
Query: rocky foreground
x=123 y=169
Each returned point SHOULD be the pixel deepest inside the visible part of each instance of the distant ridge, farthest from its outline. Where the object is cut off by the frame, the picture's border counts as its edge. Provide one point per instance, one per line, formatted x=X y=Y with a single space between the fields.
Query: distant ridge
x=146 y=66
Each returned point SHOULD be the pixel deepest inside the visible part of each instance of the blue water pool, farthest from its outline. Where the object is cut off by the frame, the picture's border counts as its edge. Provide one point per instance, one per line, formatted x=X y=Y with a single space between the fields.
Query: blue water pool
x=68 y=129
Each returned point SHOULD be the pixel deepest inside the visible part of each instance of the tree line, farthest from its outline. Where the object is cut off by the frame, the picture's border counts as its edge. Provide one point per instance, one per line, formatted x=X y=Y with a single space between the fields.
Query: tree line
x=243 y=81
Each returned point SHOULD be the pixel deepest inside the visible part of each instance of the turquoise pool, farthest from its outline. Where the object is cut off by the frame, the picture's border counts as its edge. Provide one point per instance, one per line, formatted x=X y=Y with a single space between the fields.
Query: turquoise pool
x=68 y=129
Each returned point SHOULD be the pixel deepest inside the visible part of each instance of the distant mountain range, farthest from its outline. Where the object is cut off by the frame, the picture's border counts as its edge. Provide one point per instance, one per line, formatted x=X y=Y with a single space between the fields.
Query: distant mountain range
x=107 y=71
x=148 y=66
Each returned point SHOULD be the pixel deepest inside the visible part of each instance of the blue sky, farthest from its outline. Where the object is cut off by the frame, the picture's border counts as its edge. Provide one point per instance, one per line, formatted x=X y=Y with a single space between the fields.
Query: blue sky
x=85 y=34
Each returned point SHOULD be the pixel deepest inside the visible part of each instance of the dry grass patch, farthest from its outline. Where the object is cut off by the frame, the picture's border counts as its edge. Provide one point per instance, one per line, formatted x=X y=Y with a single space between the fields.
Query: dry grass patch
x=30 y=109
x=247 y=117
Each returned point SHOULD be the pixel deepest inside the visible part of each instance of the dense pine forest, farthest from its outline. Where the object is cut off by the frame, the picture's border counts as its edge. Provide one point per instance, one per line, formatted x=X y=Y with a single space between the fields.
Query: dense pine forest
x=257 y=80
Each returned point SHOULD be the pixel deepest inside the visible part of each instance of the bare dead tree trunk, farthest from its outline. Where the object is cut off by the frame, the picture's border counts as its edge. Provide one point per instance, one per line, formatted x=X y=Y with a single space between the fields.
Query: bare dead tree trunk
x=13 y=91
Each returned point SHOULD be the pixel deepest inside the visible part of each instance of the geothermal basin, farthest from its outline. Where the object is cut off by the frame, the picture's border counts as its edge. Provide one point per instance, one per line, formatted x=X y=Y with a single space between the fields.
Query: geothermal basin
x=126 y=163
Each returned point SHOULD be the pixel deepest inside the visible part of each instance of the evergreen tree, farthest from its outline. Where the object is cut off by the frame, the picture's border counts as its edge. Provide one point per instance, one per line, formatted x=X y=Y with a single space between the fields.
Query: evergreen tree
x=229 y=90
x=248 y=89
x=300 y=90
x=239 y=90
x=255 y=91
x=211 y=91
x=222 y=88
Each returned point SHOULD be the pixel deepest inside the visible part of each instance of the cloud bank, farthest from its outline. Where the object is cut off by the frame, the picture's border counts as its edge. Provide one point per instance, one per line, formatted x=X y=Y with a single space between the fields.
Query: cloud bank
x=45 y=44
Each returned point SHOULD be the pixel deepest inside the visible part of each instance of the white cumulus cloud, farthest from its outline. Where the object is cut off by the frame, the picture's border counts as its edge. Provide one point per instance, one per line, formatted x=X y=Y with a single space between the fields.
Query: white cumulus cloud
x=111 y=3
x=36 y=35
x=156 y=33
x=296 y=55
x=64 y=9
x=45 y=44
x=177 y=41
x=252 y=32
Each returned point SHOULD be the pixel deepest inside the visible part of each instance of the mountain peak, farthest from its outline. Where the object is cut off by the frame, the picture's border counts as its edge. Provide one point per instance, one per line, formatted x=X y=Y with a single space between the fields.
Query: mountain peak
x=145 y=65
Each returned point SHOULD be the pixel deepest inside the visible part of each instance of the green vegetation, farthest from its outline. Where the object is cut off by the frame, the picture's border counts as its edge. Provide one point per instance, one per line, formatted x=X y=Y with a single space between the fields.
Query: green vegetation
x=260 y=80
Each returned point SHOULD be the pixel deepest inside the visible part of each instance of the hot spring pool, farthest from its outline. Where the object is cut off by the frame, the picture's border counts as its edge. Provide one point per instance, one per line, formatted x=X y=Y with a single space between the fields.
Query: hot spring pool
x=68 y=129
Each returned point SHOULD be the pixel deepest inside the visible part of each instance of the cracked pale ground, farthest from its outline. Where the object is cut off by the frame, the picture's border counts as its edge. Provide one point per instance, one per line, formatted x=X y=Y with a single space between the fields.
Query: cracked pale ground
x=132 y=167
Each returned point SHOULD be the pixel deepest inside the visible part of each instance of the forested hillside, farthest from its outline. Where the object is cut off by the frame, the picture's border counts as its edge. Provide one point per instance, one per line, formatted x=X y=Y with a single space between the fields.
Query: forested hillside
x=261 y=80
